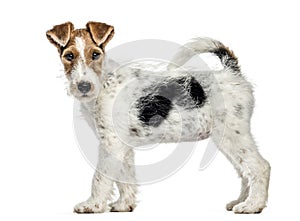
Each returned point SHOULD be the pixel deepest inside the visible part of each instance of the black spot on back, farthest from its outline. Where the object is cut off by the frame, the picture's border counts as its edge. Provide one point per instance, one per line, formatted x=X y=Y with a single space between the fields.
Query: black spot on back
x=153 y=109
x=190 y=94
x=196 y=92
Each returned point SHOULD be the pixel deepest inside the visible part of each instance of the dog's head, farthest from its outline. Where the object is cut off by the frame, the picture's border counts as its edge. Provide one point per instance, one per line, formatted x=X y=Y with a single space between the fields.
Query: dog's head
x=82 y=53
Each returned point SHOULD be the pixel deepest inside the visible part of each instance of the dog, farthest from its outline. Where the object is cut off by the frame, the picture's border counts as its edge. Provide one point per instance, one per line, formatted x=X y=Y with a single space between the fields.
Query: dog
x=154 y=101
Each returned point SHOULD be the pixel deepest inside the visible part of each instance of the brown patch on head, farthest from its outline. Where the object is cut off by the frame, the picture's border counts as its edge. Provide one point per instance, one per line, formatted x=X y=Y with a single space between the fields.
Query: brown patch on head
x=89 y=48
x=95 y=37
x=101 y=33
x=70 y=50
x=60 y=35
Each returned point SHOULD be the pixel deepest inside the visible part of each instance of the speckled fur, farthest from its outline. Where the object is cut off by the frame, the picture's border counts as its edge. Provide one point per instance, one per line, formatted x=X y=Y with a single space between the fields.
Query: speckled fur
x=114 y=111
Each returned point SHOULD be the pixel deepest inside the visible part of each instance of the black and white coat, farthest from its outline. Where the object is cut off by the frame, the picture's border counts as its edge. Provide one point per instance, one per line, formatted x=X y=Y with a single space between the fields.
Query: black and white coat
x=134 y=105
x=138 y=105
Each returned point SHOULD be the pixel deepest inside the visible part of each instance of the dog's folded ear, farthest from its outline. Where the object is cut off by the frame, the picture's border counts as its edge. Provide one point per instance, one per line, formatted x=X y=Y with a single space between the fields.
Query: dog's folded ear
x=60 y=35
x=101 y=33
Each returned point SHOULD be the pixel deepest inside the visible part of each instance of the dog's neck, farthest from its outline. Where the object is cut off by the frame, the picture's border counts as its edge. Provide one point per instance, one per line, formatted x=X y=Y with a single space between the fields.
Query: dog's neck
x=108 y=67
x=89 y=106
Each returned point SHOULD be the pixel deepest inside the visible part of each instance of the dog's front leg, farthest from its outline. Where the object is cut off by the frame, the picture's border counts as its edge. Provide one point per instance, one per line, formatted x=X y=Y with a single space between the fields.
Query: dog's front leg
x=100 y=194
x=126 y=183
x=113 y=162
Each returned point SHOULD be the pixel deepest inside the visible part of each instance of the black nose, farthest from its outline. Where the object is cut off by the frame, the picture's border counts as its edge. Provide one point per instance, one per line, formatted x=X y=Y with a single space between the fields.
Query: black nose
x=84 y=86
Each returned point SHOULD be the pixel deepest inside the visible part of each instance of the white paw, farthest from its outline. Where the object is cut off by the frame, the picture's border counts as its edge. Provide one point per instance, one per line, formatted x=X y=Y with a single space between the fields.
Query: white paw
x=89 y=206
x=230 y=205
x=248 y=207
x=121 y=207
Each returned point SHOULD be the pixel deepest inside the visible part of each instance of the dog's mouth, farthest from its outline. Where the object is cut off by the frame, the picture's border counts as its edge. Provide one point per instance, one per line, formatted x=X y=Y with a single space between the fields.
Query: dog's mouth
x=85 y=97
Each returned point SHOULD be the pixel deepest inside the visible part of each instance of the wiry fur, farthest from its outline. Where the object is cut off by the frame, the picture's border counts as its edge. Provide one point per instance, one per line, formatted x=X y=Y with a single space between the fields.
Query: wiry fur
x=186 y=108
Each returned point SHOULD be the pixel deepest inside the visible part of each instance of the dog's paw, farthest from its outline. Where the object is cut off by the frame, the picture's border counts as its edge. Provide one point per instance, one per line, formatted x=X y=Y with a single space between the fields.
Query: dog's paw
x=89 y=206
x=248 y=207
x=229 y=206
x=121 y=207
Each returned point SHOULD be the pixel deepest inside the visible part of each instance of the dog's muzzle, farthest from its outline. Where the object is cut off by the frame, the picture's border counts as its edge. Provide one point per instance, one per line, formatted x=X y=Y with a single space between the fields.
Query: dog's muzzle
x=84 y=87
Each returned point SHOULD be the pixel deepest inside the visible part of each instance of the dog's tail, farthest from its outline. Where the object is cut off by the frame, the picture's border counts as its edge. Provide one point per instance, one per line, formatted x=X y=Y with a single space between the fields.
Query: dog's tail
x=205 y=45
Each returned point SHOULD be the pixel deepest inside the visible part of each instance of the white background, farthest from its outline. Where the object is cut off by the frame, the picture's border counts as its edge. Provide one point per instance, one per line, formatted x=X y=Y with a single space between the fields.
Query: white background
x=43 y=174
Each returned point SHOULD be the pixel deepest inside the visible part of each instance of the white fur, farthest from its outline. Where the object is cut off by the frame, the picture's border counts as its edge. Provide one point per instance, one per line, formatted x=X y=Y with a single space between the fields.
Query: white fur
x=80 y=46
x=196 y=46
x=113 y=113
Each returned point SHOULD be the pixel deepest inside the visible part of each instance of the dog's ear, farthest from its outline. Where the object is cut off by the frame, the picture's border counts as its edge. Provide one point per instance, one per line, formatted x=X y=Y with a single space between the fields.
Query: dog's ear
x=101 y=33
x=60 y=35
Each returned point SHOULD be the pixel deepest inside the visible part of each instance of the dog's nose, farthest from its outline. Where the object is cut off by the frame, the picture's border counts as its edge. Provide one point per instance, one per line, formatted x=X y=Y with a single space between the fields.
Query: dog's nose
x=84 y=86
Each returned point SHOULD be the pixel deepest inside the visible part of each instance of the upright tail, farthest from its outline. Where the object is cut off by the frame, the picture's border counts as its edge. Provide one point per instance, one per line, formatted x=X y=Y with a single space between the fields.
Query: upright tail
x=205 y=45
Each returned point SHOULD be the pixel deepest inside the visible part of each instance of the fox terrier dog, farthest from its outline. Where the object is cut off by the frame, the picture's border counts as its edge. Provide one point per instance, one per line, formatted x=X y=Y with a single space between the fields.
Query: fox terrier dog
x=153 y=102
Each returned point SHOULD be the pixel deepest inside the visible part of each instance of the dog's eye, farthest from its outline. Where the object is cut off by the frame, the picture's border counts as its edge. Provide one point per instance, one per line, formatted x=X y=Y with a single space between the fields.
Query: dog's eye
x=69 y=56
x=95 y=55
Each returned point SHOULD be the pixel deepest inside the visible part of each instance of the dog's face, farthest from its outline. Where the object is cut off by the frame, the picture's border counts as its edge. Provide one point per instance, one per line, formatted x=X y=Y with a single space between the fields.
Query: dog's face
x=82 y=52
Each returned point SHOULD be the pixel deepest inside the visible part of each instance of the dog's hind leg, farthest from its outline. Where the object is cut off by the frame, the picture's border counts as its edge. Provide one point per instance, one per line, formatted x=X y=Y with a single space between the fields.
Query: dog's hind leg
x=237 y=144
x=243 y=194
